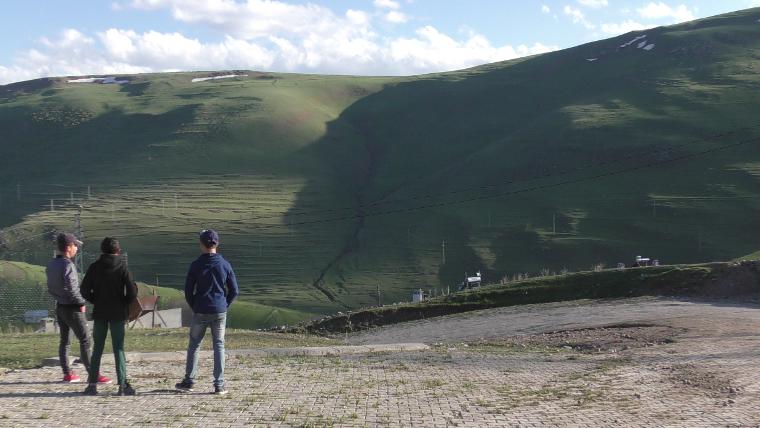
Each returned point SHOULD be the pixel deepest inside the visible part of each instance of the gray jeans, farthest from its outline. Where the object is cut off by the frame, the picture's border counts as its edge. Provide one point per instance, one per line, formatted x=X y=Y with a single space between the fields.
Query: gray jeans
x=198 y=326
x=70 y=319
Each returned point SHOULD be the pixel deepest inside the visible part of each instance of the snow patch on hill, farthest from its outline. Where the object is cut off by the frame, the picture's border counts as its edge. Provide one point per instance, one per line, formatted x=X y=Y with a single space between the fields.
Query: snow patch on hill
x=226 y=76
x=101 y=80
x=635 y=39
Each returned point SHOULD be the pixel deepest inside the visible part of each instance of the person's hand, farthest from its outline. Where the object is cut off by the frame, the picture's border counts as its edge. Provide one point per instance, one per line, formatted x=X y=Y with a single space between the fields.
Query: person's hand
x=82 y=309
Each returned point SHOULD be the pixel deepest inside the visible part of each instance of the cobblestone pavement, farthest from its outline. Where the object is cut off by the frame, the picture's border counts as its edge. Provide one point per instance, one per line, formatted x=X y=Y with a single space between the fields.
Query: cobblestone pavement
x=705 y=375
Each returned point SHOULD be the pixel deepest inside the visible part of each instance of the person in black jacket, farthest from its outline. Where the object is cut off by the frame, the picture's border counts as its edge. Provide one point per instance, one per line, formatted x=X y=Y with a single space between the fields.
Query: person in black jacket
x=109 y=286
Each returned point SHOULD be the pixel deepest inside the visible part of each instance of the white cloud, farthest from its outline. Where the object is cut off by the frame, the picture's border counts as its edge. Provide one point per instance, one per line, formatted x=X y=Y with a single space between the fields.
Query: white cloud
x=433 y=50
x=252 y=18
x=578 y=17
x=545 y=9
x=387 y=4
x=263 y=35
x=660 y=10
x=595 y=4
x=395 y=17
x=356 y=50
x=617 y=28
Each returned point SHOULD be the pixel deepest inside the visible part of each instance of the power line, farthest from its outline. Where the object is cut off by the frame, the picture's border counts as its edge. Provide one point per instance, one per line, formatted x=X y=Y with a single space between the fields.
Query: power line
x=502 y=194
x=526 y=179
x=563 y=172
x=526 y=190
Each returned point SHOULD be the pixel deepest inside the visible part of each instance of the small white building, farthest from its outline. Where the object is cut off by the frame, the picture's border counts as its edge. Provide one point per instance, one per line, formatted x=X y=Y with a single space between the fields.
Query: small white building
x=419 y=296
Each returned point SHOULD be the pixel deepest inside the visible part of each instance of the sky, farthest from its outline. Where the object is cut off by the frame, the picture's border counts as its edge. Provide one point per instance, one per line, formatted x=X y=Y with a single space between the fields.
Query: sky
x=41 y=38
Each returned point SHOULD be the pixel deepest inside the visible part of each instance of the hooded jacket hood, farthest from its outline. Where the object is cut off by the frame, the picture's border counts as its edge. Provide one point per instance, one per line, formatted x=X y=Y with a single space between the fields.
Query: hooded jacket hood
x=112 y=262
x=110 y=287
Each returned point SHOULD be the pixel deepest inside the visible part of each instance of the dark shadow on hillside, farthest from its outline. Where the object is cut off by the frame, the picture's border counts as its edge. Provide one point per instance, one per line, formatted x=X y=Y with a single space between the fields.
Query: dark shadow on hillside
x=135 y=89
x=513 y=124
x=114 y=146
x=27 y=87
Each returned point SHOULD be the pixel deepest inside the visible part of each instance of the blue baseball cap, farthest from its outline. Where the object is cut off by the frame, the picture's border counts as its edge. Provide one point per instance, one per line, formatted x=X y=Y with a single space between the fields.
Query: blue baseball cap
x=209 y=237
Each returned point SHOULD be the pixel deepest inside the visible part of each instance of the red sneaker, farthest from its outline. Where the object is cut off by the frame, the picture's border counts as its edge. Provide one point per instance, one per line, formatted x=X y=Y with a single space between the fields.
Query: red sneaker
x=104 y=380
x=71 y=378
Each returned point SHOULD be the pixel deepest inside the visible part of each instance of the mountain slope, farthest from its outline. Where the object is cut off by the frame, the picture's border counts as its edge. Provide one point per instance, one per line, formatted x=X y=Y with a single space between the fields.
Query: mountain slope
x=325 y=188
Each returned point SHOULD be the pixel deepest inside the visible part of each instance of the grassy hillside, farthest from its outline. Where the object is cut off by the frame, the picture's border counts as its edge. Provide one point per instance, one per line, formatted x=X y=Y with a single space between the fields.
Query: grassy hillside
x=710 y=280
x=23 y=288
x=326 y=187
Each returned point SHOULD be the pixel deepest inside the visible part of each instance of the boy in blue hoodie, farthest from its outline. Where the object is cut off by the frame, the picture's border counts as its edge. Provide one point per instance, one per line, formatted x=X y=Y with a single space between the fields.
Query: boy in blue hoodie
x=210 y=289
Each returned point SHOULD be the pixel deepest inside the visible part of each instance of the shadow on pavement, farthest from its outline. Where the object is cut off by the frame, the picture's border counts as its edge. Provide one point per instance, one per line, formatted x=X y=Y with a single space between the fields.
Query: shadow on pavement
x=40 y=394
x=52 y=382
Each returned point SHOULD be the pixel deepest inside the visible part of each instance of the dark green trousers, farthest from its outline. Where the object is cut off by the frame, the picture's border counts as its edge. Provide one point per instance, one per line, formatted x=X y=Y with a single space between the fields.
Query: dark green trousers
x=99 y=333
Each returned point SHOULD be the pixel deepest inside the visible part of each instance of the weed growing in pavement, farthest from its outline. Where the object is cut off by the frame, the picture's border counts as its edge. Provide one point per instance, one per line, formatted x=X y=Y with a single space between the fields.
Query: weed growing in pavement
x=433 y=383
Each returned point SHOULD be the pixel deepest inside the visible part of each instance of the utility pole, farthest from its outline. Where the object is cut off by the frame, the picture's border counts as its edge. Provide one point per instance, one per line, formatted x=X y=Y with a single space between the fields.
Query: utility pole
x=554 y=223
x=89 y=192
x=52 y=206
x=157 y=280
x=78 y=226
x=378 y=295
x=443 y=252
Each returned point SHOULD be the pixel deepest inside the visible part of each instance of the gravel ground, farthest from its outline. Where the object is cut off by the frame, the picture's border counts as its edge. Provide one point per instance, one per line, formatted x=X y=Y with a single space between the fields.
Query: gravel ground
x=645 y=362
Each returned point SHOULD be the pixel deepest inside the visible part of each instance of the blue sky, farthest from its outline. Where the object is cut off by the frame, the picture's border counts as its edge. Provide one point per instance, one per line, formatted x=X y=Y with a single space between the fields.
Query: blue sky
x=368 y=37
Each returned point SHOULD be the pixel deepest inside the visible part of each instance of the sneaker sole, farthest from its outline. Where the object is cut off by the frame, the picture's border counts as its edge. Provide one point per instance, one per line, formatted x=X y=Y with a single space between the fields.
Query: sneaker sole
x=105 y=383
x=221 y=393
x=72 y=381
x=184 y=389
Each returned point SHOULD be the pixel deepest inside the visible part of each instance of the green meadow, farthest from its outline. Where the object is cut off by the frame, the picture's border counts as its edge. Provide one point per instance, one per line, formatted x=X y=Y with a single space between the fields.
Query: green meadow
x=24 y=288
x=326 y=188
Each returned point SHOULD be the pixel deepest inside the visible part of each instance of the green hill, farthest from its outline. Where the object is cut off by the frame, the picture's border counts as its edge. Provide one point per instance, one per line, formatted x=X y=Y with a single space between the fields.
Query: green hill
x=326 y=187
x=22 y=287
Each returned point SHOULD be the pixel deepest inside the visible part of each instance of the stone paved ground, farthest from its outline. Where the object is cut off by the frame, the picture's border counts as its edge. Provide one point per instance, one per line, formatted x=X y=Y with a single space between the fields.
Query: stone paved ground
x=704 y=375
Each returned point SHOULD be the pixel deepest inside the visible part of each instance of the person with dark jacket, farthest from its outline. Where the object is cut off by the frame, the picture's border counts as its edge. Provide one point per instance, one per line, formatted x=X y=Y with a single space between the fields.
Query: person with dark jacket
x=109 y=286
x=210 y=289
x=63 y=285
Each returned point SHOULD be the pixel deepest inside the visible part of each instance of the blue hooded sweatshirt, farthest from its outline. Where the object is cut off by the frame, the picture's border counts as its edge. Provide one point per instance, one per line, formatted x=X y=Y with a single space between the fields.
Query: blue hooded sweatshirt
x=211 y=286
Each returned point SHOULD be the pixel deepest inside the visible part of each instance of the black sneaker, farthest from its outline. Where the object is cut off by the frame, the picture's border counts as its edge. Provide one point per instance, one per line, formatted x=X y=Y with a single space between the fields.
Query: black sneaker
x=92 y=389
x=185 y=385
x=220 y=390
x=126 y=389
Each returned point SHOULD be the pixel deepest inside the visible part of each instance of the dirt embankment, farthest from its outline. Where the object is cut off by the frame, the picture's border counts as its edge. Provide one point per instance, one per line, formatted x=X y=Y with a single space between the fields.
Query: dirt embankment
x=715 y=280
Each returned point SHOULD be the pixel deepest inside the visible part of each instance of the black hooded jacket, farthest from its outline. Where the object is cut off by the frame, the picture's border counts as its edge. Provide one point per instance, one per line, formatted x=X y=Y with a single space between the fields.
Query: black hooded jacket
x=108 y=285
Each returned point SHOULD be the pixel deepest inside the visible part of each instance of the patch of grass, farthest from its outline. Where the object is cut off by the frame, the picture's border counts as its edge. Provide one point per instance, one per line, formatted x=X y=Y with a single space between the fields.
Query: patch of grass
x=684 y=280
x=23 y=287
x=433 y=383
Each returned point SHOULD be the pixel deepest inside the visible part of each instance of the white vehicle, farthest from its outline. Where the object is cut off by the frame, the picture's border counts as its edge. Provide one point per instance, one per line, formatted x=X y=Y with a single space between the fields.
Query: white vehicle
x=471 y=282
